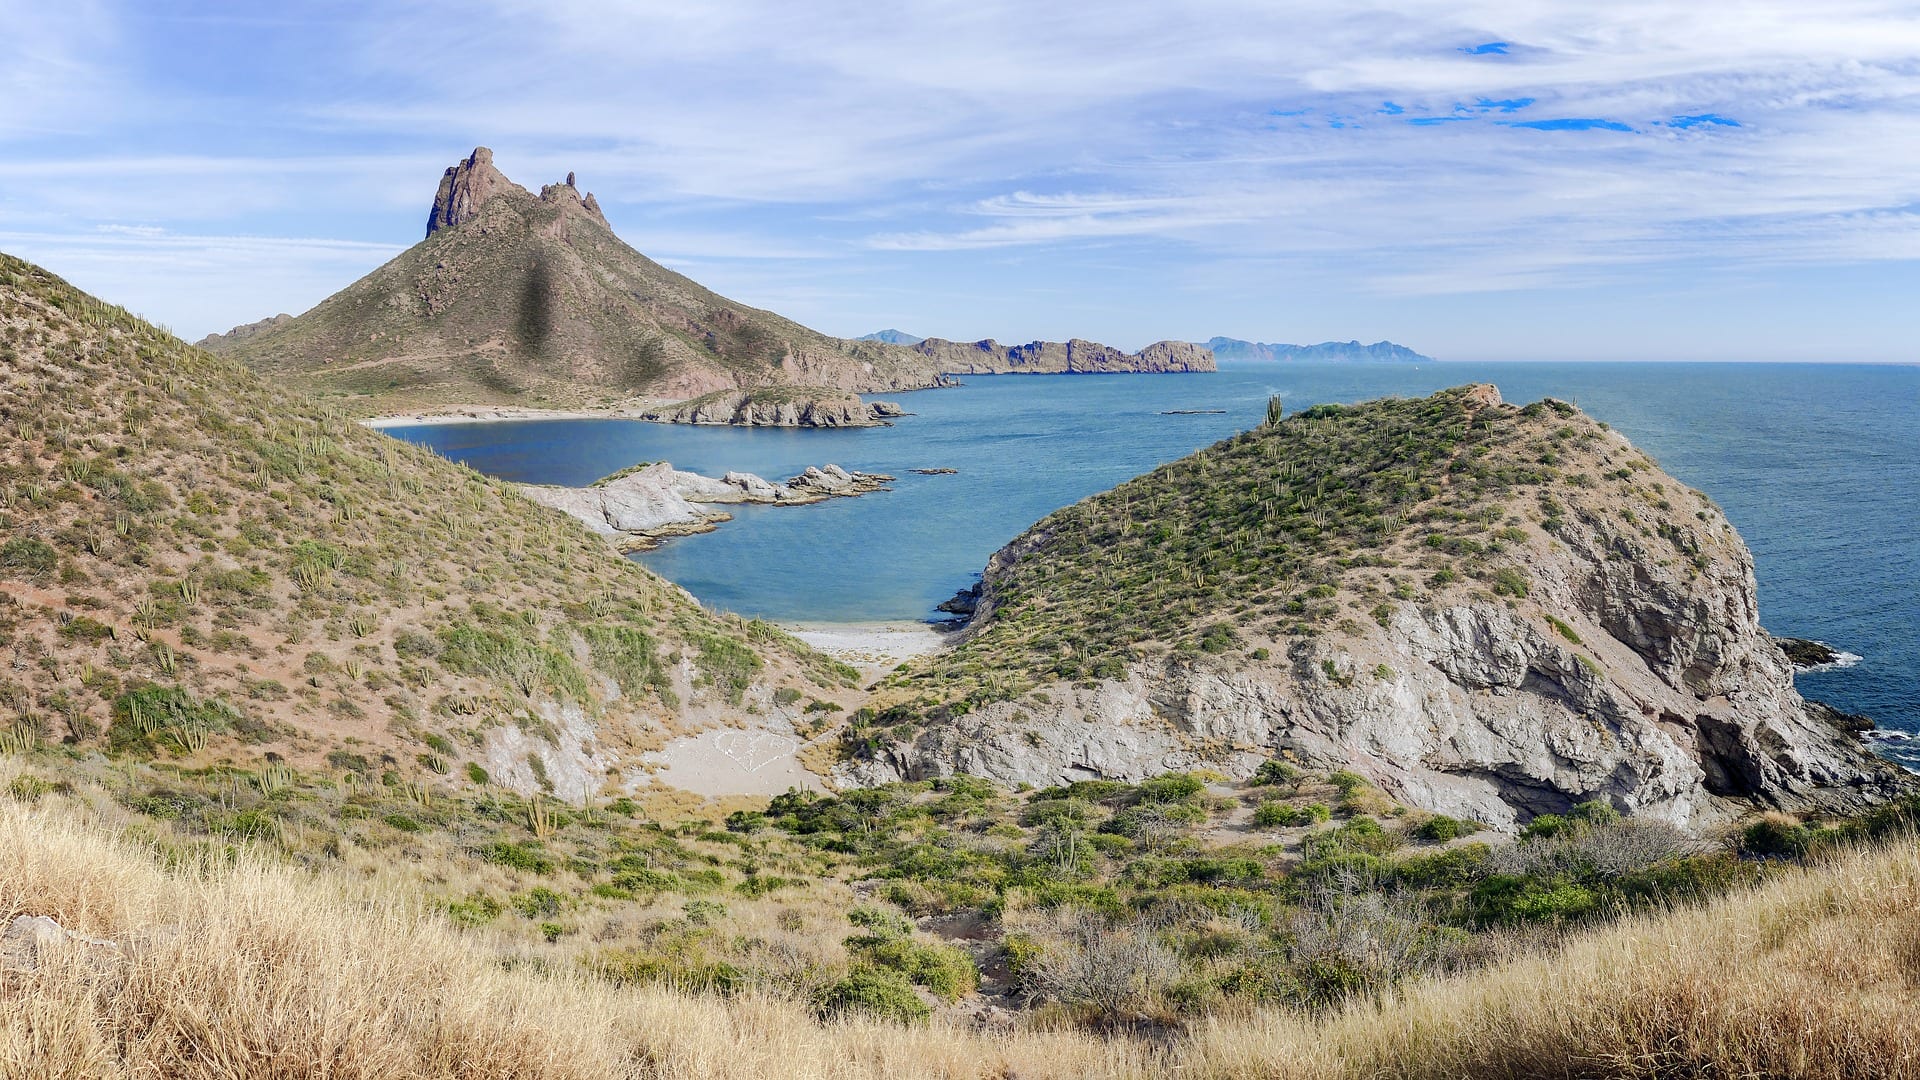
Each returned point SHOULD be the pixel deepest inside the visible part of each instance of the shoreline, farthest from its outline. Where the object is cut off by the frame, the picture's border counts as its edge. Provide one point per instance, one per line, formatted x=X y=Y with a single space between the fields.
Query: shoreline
x=496 y=414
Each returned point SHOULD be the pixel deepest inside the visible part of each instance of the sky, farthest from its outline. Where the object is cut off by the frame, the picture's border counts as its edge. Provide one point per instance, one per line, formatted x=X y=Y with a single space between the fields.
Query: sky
x=1477 y=180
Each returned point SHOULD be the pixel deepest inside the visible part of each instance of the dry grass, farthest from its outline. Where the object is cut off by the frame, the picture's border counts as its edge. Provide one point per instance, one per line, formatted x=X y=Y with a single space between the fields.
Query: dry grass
x=249 y=970
x=1814 y=975
x=232 y=967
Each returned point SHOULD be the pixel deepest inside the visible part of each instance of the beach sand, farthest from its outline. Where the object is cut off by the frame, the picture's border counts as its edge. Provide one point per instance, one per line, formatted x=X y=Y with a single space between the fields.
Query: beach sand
x=875 y=648
x=494 y=414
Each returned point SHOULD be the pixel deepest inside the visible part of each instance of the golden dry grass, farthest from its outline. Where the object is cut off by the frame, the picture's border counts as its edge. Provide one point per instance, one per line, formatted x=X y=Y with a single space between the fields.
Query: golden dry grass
x=240 y=968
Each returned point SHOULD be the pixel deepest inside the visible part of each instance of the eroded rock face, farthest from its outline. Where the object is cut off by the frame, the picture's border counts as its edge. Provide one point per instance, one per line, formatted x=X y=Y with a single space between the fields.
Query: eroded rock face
x=464 y=188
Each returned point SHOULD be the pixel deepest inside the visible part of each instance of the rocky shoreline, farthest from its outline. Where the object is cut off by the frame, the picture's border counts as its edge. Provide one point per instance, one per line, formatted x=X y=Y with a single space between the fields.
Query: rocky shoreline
x=641 y=507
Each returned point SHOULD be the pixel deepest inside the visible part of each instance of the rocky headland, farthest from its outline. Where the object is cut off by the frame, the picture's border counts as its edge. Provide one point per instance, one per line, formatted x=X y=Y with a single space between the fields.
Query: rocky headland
x=642 y=506
x=1487 y=611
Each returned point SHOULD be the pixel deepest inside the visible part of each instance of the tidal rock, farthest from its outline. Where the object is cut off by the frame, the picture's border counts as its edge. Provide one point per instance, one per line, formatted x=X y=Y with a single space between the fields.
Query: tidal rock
x=641 y=506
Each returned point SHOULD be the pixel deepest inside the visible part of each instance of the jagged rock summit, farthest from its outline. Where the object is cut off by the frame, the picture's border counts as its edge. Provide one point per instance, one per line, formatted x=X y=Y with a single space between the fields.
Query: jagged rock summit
x=468 y=185
x=1487 y=611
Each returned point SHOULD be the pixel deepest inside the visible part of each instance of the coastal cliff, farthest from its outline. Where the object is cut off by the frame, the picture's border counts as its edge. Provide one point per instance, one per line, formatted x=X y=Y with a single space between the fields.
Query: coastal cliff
x=1487 y=611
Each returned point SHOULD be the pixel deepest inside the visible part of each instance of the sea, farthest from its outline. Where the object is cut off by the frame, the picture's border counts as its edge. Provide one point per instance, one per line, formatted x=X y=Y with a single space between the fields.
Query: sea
x=1817 y=465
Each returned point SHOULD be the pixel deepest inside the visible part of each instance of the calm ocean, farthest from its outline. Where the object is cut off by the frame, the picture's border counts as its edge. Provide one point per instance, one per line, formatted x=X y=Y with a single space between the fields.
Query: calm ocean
x=1818 y=466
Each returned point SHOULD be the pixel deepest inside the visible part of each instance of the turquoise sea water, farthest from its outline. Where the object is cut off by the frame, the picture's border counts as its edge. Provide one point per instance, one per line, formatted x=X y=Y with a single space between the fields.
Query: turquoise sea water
x=1818 y=466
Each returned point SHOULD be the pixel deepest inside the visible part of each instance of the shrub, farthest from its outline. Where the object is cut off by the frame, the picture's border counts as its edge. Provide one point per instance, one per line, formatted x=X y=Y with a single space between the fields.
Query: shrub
x=1114 y=971
x=477 y=909
x=26 y=558
x=877 y=992
x=539 y=902
x=1440 y=828
x=944 y=970
x=524 y=857
x=1275 y=772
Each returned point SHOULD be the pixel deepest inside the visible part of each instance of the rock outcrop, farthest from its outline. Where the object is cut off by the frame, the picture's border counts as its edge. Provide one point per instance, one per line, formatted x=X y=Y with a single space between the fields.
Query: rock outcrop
x=1544 y=636
x=640 y=507
x=1073 y=357
x=784 y=406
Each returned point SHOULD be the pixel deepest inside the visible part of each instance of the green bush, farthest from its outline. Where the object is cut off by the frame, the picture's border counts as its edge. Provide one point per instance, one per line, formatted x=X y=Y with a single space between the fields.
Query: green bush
x=525 y=857
x=877 y=992
x=28 y=559
x=539 y=902
x=1275 y=772
x=1440 y=828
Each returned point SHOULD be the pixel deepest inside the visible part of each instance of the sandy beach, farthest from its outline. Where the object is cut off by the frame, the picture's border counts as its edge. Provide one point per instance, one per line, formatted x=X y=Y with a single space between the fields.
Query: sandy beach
x=875 y=648
x=494 y=414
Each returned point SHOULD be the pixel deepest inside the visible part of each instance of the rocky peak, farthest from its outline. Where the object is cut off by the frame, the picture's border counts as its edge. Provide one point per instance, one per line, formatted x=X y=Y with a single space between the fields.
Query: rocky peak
x=464 y=188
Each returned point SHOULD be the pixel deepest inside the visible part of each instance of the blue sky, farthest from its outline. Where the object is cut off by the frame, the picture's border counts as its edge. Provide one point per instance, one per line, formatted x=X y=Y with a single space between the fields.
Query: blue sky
x=1478 y=180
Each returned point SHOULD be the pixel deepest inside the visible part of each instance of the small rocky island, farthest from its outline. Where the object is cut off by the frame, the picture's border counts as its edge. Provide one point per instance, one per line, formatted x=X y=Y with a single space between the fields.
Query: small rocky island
x=642 y=506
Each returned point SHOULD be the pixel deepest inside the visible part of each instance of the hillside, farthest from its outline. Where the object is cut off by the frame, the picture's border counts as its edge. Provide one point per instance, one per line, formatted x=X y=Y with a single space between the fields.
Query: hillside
x=524 y=299
x=1488 y=611
x=131 y=947
x=197 y=566
x=1233 y=350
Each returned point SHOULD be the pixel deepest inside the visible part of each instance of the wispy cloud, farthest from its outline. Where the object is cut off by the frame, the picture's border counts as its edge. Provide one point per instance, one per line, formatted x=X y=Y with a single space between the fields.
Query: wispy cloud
x=1411 y=149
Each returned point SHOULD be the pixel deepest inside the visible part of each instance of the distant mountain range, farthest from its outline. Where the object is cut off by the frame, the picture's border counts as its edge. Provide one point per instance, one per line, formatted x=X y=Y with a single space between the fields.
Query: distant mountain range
x=1232 y=349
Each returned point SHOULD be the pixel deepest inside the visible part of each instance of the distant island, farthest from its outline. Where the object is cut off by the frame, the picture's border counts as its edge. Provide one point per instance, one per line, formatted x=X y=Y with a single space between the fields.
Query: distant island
x=1231 y=350
x=891 y=337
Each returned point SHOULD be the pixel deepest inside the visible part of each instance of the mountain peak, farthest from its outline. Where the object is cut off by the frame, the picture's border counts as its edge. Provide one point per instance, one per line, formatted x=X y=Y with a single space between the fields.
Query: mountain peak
x=464 y=188
x=467 y=185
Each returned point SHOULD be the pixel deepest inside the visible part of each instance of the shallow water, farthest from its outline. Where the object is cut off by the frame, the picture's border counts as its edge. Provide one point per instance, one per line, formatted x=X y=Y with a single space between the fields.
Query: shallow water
x=1818 y=466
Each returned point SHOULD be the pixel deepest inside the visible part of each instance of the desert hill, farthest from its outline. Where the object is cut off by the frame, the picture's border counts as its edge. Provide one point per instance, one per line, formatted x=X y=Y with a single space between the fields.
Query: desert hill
x=518 y=298
x=197 y=565
x=1489 y=611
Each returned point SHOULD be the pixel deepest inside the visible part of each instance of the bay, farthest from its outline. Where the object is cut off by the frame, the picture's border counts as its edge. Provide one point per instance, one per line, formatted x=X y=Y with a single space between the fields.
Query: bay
x=1818 y=465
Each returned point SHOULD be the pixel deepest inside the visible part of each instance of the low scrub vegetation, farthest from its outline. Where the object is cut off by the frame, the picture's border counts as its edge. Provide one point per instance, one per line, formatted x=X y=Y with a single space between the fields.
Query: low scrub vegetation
x=1807 y=972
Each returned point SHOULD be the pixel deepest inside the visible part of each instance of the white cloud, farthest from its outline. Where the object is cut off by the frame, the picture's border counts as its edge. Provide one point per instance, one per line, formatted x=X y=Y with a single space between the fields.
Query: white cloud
x=1209 y=133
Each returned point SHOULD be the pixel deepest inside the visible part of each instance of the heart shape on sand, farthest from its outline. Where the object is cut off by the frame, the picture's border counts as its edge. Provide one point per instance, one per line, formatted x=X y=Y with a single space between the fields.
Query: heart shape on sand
x=754 y=749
